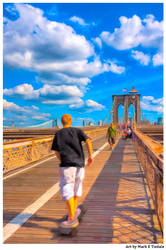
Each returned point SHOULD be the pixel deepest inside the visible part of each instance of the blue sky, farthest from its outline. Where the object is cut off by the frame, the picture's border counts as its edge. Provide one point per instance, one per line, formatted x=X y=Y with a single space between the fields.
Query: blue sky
x=71 y=58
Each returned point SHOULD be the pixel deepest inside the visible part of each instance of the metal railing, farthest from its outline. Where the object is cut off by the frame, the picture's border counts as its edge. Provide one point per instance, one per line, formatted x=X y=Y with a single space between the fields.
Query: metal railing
x=150 y=156
x=21 y=152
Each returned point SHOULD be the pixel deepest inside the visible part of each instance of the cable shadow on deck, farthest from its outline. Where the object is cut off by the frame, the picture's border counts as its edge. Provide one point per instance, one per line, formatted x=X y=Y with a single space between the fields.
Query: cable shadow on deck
x=107 y=219
x=113 y=215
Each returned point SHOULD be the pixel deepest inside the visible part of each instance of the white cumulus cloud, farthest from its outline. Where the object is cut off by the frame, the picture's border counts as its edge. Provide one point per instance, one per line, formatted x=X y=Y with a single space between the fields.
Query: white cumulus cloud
x=122 y=38
x=31 y=40
x=151 y=104
x=39 y=117
x=48 y=94
x=24 y=90
x=134 y=32
x=87 y=107
x=14 y=112
x=35 y=107
x=12 y=107
x=78 y=20
x=141 y=57
x=51 y=49
x=158 y=59
x=97 y=41
x=116 y=69
x=77 y=105
x=148 y=98
x=95 y=105
x=158 y=101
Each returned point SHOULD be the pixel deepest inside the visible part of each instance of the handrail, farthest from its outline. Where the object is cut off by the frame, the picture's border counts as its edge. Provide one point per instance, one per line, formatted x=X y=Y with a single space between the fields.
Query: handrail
x=19 y=153
x=16 y=143
x=22 y=133
x=150 y=156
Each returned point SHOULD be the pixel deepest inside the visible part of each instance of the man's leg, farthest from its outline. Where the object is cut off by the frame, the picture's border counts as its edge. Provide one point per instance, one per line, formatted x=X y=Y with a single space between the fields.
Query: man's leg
x=72 y=204
x=78 y=186
x=71 y=208
x=72 y=220
x=75 y=203
x=67 y=180
x=113 y=141
x=110 y=142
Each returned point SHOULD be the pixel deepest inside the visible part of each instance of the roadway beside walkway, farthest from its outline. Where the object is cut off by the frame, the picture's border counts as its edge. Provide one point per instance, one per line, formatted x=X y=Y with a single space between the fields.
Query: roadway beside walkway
x=119 y=205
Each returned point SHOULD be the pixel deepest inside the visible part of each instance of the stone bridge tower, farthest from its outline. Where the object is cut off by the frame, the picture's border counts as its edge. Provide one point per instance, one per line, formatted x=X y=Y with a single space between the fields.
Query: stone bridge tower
x=132 y=98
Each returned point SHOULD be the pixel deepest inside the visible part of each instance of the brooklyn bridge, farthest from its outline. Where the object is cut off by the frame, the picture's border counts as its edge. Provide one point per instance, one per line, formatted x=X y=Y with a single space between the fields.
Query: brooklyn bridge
x=123 y=188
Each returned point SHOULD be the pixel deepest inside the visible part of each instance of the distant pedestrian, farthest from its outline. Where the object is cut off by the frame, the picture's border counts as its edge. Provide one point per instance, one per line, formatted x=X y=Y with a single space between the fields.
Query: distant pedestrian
x=129 y=133
x=111 y=134
x=67 y=144
x=124 y=132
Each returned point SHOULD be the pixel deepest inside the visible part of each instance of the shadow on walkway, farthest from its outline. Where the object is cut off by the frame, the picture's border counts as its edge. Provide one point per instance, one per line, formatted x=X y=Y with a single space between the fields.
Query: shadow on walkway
x=112 y=220
x=118 y=206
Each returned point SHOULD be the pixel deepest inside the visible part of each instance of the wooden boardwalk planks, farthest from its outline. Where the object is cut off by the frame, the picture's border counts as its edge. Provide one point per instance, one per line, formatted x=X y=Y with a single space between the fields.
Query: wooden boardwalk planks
x=119 y=206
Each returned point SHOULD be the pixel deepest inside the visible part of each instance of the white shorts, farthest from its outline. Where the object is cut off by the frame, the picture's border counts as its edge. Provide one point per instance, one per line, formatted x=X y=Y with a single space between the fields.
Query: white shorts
x=71 y=182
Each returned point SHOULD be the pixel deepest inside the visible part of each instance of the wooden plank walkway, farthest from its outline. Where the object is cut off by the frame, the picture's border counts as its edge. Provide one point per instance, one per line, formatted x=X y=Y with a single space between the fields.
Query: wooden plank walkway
x=120 y=209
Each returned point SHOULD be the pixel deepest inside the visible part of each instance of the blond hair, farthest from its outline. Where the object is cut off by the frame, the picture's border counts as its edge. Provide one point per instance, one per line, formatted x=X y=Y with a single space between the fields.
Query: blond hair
x=66 y=119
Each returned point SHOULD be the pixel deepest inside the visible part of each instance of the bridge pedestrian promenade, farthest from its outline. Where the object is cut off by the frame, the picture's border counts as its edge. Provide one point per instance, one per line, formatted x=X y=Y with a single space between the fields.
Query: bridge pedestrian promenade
x=116 y=195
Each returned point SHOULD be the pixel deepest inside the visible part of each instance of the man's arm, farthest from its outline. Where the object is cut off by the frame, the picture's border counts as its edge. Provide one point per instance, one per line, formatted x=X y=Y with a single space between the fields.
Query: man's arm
x=58 y=155
x=90 y=151
x=107 y=134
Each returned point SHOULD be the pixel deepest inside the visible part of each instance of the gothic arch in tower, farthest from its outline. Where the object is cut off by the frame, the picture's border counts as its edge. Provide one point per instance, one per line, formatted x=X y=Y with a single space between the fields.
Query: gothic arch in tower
x=126 y=100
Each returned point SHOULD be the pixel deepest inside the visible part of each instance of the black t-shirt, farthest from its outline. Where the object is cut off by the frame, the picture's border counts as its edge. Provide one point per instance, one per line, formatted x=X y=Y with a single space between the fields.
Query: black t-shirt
x=67 y=141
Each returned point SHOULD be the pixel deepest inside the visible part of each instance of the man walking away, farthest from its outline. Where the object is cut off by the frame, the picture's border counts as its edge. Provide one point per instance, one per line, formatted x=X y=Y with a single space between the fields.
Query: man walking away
x=111 y=133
